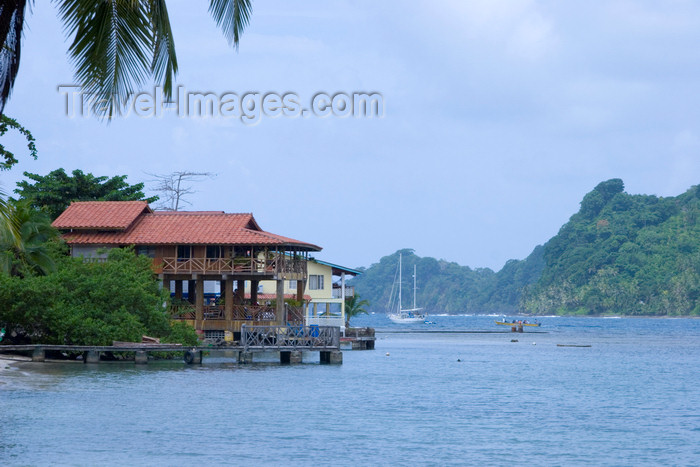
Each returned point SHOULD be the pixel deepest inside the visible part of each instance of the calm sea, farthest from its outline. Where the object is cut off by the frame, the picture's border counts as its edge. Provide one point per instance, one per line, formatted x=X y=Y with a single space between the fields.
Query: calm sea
x=420 y=398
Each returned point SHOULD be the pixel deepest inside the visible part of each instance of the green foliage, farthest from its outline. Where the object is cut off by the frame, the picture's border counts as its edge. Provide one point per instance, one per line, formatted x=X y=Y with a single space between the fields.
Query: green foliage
x=181 y=333
x=115 y=46
x=620 y=254
x=26 y=253
x=55 y=191
x=88 y=303
x=9 y=158
x=354 y=307
x=445 y=287
x=623 y=254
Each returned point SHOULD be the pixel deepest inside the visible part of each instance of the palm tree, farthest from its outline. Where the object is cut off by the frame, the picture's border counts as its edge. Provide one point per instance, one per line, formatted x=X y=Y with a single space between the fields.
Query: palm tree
x=28 y=254
x=353 y=307
x=117 y=44
x=9 y=226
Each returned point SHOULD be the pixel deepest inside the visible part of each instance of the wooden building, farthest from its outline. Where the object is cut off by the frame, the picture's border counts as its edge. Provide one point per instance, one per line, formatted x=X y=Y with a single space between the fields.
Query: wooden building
x=193 y=247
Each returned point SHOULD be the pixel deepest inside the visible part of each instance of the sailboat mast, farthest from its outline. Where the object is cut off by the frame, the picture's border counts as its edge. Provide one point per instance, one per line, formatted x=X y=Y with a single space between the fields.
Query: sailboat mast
x=414 y=286
x=399 y=282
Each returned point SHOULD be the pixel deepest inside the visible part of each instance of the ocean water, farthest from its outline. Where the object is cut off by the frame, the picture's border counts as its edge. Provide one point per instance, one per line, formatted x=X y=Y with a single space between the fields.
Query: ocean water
x=428 y=395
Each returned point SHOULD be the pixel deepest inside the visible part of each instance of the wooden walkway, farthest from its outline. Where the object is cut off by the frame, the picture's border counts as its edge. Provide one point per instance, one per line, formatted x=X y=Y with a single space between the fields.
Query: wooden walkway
x=289 y=341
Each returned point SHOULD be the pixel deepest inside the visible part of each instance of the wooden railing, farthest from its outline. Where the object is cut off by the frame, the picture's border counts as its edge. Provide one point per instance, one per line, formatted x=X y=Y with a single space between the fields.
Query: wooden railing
x=255 y=313
x=275 y=264
x=252 y=313
x=290 y=337
x=182 y=312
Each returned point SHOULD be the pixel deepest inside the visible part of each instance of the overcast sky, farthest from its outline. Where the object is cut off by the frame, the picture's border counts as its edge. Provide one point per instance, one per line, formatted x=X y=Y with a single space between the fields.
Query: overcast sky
x=498 y=117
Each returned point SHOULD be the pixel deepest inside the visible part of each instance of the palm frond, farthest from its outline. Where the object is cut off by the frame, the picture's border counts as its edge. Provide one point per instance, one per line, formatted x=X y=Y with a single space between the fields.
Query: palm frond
x=164 y=64
x=11 y=23
x=112 y=41
x=9 y=224
x=232 y=17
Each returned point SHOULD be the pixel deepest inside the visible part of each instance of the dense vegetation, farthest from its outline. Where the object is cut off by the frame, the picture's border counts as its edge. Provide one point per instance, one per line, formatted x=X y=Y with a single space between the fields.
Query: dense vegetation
x=87 y=303
x=620 y=254
x=623 y=254
x=53 y=192
x=446 y=287
x=48 y=297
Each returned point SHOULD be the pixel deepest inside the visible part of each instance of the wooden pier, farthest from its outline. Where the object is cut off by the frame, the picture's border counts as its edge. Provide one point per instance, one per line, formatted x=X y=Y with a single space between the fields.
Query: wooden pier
x=358 y=339
x=289 y=341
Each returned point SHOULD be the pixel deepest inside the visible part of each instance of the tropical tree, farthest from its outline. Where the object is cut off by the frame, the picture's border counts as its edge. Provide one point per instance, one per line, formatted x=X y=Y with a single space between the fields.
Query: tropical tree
x=116 y=45
x=27 y=254
x=55 y=191
x=354 y=307
x=7 y=123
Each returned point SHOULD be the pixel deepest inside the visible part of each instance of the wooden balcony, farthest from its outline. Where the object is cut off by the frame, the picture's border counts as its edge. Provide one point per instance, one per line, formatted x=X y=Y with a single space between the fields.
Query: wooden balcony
x=241 y=313
x=278 y=266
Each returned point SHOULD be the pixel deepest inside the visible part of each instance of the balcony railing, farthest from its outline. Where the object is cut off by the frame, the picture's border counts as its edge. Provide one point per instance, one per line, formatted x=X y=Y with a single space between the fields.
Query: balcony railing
x=251 y=313
x=325 y=321
x=338 y=292
x=288 y=268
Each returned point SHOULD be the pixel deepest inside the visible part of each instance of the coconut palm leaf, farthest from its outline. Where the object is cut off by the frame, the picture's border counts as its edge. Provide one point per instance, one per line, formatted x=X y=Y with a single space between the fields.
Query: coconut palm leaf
x=9 y=224
x=231 y=16
x=353 y=307
x=164 y=63
x=30 y=254
x=11 y=23
x=110 y=50
x=116 y=45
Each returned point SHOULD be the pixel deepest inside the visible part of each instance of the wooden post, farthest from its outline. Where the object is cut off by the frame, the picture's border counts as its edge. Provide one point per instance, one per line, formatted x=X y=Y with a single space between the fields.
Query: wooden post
x=280 y=309
x=301 y=285
x=191 y=291
x=140 y=357
x=240 y=291
x=178 y=289
x=228 y=302
x=38 y=355
x=199 y=302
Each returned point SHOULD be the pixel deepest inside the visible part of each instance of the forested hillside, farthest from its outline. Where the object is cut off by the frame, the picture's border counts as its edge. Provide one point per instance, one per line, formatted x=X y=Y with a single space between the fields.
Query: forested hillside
x=623 y=254
x=620 y=254
x=446 y=287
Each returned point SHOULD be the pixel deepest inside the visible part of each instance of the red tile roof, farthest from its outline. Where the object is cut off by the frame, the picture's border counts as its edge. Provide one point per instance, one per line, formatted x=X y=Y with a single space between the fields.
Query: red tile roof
x=100 y=214
x=172 y=228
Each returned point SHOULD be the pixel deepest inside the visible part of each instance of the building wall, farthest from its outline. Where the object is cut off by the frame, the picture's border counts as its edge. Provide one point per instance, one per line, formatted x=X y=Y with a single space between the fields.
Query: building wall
x=314 y=269
x=88 y=251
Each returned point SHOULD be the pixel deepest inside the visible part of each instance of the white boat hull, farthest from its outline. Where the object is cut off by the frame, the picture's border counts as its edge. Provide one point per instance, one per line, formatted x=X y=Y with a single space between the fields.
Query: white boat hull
x=407 y=319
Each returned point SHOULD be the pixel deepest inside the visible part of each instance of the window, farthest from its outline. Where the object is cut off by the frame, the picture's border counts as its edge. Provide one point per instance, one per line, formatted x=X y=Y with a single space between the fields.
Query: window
x=214 y=251
x=316 y=282
x=146 y=250
x=293 y=285
x=184 y=252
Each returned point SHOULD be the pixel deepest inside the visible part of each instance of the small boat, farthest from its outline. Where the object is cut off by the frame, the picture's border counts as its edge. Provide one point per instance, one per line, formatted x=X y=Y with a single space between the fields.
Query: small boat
x=398 y=314
x=512 y=323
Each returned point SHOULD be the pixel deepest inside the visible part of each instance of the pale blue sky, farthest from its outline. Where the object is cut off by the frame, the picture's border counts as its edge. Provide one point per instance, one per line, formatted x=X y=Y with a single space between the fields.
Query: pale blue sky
x=499 y=116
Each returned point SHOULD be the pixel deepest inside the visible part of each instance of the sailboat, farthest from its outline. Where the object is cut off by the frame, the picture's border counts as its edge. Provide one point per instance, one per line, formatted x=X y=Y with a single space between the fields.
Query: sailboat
x=396 y=313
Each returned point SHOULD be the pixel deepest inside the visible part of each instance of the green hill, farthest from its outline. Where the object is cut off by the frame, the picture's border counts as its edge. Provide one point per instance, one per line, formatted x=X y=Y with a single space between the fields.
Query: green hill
x=446 y=287
x=620 y=254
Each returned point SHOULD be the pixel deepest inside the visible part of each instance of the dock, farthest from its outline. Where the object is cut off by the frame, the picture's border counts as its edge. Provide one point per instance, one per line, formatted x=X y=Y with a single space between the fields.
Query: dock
x=358 y=339
x=289 y=341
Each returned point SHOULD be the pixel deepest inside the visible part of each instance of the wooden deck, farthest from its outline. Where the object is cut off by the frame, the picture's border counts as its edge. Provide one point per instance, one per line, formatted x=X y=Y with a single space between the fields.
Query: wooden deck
x=290 y=341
